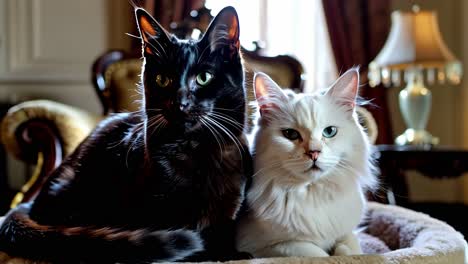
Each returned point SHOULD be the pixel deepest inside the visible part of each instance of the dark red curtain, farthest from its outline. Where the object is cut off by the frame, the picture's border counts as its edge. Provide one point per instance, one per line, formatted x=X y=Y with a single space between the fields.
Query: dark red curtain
x=358 y=30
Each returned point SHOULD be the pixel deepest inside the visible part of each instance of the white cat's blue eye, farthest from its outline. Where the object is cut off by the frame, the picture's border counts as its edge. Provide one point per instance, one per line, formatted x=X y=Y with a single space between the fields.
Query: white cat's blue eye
x=204 y=78
x=330 y=131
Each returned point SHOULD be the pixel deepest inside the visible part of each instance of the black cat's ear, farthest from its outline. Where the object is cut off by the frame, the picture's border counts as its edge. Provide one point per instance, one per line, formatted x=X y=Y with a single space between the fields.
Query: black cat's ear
x=269 y=95
x=223 y=30
x=345 y=89
x=150 y=29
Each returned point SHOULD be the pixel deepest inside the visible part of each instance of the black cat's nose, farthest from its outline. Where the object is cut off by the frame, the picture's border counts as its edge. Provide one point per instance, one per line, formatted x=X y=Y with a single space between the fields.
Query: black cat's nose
x=313 y=154
x=184 y=106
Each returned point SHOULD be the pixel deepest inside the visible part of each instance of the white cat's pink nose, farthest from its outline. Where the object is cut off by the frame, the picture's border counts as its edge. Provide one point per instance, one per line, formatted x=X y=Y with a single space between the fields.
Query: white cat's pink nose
x=313 y=154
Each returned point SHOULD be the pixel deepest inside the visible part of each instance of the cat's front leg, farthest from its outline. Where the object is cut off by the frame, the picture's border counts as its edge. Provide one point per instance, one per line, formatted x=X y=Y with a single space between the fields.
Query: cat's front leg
x=348 y=245
x=292 y=248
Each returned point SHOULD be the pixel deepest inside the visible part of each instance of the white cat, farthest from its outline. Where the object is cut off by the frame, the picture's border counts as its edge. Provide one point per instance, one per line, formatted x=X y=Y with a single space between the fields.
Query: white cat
x=312 y=165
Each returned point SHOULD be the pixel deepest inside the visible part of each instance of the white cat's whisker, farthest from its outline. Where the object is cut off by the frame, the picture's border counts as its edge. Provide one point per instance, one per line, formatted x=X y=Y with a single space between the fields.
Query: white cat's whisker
x=274 y=165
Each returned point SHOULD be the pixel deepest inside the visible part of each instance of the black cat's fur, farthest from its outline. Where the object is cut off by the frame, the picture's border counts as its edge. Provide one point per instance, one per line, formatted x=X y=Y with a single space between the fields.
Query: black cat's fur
x=162 y=184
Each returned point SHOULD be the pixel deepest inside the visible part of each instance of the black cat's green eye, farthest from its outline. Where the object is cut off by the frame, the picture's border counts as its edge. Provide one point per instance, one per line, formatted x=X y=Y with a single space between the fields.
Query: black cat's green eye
x=162 y=81
x=291 y=134
x=204 y=78
x=330 y=131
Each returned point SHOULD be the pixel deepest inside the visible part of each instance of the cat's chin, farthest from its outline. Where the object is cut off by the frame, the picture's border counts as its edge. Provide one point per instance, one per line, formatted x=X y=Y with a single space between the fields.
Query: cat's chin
x=301 y=178
x=314 y=175
x=186 y=125
x=313 y=172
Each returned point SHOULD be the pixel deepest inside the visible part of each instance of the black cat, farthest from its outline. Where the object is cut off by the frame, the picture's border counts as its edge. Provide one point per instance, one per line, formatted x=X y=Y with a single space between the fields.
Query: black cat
x=162 y=184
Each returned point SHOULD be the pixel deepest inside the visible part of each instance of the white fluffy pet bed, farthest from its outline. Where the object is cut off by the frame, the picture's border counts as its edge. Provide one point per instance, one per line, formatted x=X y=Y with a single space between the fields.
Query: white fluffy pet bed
x=393 y=235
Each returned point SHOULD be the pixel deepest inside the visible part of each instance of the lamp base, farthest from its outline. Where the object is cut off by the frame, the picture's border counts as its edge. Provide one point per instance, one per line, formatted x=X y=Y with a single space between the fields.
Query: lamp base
x=416 y=137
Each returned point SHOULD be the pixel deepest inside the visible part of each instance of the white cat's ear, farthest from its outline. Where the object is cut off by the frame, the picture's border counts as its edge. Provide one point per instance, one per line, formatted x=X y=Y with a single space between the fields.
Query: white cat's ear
x=268 y=94
x=345 y=89
x=150 y=30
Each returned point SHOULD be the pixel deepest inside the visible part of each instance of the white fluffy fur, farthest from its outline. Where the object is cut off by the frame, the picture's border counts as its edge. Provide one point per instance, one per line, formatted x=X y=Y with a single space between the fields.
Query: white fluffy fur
x=299 y=212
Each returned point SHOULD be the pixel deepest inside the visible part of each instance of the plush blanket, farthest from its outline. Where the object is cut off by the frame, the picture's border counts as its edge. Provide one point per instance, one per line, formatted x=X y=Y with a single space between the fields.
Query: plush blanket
x=391 y=234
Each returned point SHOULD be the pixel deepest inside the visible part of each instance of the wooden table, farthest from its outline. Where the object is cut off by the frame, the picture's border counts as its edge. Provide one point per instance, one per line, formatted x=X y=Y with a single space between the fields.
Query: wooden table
x=433 y=162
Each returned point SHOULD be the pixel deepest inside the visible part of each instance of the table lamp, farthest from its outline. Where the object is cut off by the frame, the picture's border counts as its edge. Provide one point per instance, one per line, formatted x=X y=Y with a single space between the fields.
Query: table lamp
x=414 y=53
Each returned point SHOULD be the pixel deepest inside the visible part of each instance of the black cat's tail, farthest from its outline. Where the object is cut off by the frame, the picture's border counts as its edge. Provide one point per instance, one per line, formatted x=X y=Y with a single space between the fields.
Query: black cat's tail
x=22 y=236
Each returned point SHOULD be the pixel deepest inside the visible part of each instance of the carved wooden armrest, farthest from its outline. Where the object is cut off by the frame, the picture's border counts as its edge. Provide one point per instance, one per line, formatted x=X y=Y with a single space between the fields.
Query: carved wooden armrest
x=43 y=132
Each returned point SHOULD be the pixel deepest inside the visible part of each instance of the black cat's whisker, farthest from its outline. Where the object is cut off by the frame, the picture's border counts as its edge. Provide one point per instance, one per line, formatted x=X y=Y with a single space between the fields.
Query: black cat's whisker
x=133 y=36
x=224 y=115
x=140 y=127
x=218 y=135
x=215 y=137
x=152 y=110
x=142 y=111
x=155 y=123
x=130 y=148
x=223 y=129
x=150 y=121
x=226 y=109
x=228 y=120
x=158 y=125
x=136 y=129
x=118 y=143
x=207 y=122
x=228 y=133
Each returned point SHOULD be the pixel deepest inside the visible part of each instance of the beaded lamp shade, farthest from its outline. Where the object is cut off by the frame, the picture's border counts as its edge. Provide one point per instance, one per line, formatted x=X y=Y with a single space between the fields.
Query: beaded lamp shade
x=414 y=43
x=415 y=54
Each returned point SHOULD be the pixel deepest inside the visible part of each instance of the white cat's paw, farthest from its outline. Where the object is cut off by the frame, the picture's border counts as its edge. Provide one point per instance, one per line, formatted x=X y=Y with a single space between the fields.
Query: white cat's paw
x=348 y=245
x=292 y=248
x=344 y=250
